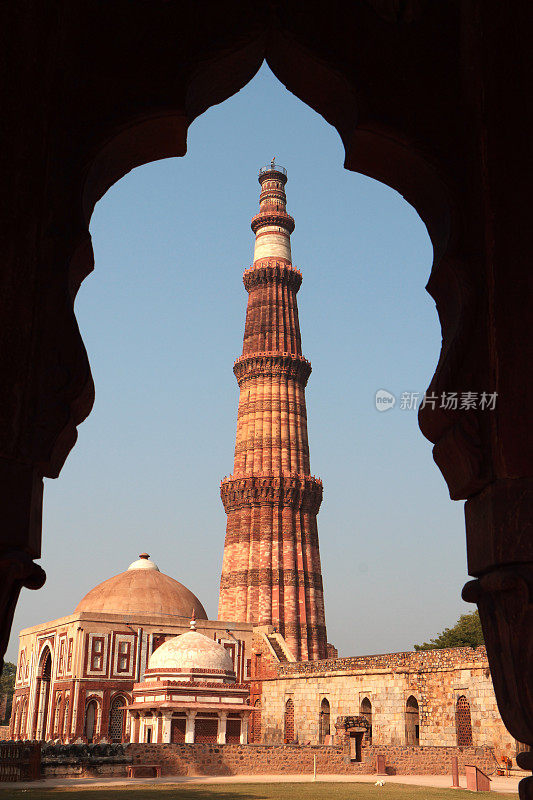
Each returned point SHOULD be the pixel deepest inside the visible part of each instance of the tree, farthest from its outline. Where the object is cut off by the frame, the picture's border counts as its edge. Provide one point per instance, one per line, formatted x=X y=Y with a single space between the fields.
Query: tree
x=465 y=633
x=7 y=687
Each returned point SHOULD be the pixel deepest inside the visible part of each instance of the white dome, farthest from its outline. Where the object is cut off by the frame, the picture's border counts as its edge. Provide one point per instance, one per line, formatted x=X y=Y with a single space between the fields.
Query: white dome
x=191 y=651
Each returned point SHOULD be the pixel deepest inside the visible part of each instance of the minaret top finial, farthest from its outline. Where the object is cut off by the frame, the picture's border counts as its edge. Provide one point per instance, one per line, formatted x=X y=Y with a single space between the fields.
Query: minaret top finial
x=273 y=162
x=192 y=623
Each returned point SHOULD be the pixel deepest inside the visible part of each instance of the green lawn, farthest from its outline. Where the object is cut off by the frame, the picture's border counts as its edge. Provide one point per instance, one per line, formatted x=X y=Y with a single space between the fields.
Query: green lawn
x=254 y=791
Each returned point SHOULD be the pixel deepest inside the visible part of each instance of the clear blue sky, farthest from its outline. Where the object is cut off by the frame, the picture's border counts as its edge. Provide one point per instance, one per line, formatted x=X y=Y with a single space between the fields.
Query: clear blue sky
x=162 y=317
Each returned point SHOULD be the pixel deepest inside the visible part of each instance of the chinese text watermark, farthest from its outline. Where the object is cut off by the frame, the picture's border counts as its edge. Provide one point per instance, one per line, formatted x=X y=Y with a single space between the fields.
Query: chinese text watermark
x=449 y=401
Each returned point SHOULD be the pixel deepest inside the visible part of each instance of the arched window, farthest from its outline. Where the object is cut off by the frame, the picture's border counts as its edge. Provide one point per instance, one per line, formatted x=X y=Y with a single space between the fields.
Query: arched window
x=57 y=712
x=366 y=712
x=463 y=722
x=16 y=719
x=116 y=718
x=412 y=721
x=256 y=722
x=24 y=717
x=65 y=719
x=323 y=727
x=289 y=721
x=91 y=712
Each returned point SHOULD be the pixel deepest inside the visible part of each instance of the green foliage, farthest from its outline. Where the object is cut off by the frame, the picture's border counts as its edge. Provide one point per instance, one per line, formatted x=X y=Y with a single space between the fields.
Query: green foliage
x=7 y=687
x=465 y=633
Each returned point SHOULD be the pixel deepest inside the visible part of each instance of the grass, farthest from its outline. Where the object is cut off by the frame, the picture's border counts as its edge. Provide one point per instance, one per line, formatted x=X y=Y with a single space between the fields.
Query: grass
x=252 y=791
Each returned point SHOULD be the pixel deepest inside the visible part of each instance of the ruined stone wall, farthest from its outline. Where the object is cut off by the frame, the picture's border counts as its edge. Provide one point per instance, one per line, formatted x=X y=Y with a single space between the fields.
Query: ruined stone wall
x=203 y=759
x=436 y=678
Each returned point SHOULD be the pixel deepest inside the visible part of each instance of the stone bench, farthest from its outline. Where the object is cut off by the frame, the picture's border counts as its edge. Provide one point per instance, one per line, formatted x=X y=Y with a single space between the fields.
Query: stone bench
x=133 y=769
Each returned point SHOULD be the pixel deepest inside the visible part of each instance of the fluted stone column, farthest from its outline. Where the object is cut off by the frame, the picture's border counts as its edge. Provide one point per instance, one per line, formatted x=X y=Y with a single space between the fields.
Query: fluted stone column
x=271 y=568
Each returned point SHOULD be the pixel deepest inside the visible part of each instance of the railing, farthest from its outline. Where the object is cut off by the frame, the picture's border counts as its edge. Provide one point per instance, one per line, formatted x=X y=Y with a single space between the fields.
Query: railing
x=20 y=761
x=272 y=167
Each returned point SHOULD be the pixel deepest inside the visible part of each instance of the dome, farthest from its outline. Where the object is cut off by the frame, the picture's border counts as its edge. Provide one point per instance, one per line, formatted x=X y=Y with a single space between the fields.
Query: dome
x=192 y=652
x=142 y=589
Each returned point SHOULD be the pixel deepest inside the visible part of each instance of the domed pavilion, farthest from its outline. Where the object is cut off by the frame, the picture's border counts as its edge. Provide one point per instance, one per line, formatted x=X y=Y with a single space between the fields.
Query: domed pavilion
x=76 y=675
x=190 y=694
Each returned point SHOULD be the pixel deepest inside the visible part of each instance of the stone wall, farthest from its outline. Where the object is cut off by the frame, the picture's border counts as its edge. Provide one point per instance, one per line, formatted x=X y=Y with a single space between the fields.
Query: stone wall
x=82 y=760
x=435 y=678
x=204 y=759
x=198 y=759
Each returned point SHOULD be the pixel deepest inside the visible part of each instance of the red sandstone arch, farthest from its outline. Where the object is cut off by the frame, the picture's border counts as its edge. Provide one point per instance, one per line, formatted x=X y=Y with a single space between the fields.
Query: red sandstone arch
x=288 y=733
x=366 y=711
x=41 y=721
x=324 y=721
x=117 y=717
x=463 y=722
x=93 y=706
x=416 y=91
x=412 y=721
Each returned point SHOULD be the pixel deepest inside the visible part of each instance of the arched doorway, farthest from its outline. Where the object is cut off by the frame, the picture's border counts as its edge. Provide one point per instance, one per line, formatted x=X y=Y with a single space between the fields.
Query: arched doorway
x=116 y=718
x=91 y=714
x=412 y=722
x=463 y=722
x=43 y=690
x=366 y=712
x=324 y=720
x=288 y=735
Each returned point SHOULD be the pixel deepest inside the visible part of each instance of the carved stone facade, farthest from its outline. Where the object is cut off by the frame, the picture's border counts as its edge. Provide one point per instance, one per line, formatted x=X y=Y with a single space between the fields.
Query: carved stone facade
x=271 y=572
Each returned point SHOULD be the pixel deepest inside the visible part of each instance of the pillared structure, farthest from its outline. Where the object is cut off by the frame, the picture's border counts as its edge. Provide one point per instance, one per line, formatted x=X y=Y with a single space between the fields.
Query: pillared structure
x=271 y=571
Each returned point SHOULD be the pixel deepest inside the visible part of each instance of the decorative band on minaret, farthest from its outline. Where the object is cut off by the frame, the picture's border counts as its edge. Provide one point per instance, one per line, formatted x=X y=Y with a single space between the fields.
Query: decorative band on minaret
x=271 y=571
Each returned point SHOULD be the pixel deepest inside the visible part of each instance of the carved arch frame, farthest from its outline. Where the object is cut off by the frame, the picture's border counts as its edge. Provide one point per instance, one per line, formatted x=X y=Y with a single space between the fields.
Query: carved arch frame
x=441 y=149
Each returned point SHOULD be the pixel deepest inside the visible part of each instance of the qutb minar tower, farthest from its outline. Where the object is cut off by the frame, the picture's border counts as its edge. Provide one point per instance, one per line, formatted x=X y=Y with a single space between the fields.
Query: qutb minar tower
x=271 y=571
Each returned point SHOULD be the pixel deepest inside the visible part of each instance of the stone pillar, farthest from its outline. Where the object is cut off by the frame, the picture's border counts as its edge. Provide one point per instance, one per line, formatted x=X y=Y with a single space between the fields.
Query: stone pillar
x=135 y=727
x=158 y=729
x=189 y=727
x=222 y=719
x=41 y=721
x=166 y=726
x=36 y=696
x=244 y=728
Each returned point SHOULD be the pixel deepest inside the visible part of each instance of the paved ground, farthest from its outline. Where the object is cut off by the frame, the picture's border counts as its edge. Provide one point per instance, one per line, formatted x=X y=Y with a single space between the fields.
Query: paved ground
x=498 y=784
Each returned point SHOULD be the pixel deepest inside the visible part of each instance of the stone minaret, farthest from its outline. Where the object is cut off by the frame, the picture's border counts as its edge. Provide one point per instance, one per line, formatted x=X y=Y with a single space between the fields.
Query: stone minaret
x=271 y=570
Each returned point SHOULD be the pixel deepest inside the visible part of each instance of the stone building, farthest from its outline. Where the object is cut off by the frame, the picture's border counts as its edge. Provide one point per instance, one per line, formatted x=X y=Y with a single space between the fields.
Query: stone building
x=190 y=694
x=76 y=674
x=442 y=698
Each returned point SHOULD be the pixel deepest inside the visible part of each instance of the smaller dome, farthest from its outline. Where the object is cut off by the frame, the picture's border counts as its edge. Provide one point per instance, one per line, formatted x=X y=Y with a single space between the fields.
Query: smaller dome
x=195 y=655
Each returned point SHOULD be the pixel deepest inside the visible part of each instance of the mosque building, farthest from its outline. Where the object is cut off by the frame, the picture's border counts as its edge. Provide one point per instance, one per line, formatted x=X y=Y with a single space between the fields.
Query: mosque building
x=76 y=674
x=126 y=665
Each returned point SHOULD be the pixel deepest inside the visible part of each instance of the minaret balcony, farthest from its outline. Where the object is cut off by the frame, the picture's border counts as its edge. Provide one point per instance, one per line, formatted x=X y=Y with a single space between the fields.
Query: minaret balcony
x=299 y=492
x=272 y=217
x=272 y=365
x=272 y=270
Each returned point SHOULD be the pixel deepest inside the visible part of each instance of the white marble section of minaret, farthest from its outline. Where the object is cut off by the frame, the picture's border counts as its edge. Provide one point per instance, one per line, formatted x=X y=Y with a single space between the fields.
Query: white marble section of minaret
x=272 y=241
